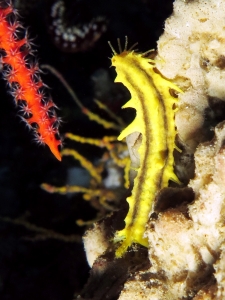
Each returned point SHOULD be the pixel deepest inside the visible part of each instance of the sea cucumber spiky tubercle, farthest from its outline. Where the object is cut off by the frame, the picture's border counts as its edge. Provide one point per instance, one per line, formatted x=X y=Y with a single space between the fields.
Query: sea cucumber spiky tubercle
x=22 y=74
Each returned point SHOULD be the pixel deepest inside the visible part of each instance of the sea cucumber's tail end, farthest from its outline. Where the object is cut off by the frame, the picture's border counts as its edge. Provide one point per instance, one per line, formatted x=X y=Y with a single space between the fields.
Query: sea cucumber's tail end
x=124 y=241
x=123 y=248
x=127 y=242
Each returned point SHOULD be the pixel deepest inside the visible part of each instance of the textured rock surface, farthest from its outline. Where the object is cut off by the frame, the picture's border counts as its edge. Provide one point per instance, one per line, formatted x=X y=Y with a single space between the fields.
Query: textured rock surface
x=191 y=52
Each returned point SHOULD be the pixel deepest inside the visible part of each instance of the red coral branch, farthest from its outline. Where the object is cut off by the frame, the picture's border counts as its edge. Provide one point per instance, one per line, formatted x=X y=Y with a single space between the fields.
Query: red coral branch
x=22 y=73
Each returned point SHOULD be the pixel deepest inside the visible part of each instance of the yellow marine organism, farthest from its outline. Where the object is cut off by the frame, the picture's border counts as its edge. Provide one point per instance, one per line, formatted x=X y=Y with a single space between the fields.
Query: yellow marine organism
x=103 y=191
x=154 y=99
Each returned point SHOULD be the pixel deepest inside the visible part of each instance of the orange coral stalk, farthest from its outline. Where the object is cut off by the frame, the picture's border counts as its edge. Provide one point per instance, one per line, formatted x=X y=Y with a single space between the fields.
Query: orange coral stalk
x=22 y=73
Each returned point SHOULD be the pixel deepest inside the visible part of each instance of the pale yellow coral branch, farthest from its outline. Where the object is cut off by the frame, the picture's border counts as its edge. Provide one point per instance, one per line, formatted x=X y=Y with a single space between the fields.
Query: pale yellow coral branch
x=84 y=162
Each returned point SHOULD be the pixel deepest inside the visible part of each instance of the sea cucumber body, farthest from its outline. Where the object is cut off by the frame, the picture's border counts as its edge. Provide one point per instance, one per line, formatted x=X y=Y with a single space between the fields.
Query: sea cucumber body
x=24 y=80
x=155 y=121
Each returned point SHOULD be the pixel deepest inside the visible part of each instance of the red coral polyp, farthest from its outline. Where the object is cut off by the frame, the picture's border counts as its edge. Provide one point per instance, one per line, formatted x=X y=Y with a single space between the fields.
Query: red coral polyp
x=22 y=73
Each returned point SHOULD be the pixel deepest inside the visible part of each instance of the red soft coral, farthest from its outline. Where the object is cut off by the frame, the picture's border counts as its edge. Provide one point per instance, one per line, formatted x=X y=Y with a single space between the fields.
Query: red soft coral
x=23 y=75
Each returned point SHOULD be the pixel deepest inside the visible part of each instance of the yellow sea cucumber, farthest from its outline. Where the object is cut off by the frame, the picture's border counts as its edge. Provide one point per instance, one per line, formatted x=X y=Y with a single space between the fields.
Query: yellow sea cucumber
x=154 y=102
